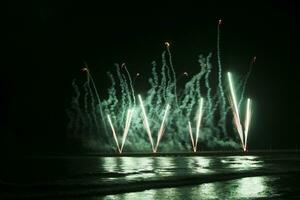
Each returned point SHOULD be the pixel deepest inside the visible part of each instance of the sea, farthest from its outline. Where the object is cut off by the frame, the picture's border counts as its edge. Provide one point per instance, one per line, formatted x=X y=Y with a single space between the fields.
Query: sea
x=273 y=175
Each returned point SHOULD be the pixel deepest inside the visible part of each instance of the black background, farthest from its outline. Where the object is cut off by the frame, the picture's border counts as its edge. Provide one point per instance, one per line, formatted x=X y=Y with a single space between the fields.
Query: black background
x=46 y=42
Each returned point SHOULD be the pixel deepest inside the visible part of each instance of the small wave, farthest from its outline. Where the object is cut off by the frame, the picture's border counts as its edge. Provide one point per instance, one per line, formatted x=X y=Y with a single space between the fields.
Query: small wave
x=68 y=188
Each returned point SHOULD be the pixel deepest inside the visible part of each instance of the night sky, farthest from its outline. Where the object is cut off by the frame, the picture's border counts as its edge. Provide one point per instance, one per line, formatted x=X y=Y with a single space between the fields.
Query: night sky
x=45 y=44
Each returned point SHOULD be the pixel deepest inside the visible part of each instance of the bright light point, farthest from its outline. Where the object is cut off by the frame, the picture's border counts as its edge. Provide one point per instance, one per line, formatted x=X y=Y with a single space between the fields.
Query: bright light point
x=167 y=44
x=186 y=74
x=254 y=59
x=84 y=69
x=220 y=21
x=137 y=74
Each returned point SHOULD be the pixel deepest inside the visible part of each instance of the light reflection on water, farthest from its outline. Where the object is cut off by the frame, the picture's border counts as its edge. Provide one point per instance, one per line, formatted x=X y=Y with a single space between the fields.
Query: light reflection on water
x=130 y=166
x=167 y=166
x=163 y=165
x=202 y=164
x=242 y=162
x=142 y=168
x=211 y=176
x=249 y=188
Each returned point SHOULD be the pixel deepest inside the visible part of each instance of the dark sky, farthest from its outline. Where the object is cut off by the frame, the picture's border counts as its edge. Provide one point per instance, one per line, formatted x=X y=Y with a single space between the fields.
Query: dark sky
x=45 y=43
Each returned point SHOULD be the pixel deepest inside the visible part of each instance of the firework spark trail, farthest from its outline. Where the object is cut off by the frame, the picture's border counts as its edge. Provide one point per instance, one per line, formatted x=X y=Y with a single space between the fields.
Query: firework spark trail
x=237 y=123
x=232 y=93
x=114 y=133
x=200 y=75
x=216 y=99
x=219 y=64
x=209 y=100
x=190 y=94
x=235 y=110
x=154 y=74
x=160 y=93
x=75 y=119
x=199 y=118
x=131 y=84
x=247 y=121
x=123 y=94
x=76 y=106
x=99 y=104
x=163 y=85
x=197 y=85
x=146 y=123
x=173 y=72
x=127 y=91
x=126 y=85
x=125 y=129
x=192 y=137
x=87 y=123
x=112 y=101
x=162 y=127
x=127 y=125
x=93 y=112
x=168 y=89
x=195 y=90
x=154 y=84
x=246 y=80
x=98 y=98
x=222 y=96
x=85 y=86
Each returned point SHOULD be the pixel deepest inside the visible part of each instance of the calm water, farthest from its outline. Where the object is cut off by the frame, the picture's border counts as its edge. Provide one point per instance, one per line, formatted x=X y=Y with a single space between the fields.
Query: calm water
x=215 y=177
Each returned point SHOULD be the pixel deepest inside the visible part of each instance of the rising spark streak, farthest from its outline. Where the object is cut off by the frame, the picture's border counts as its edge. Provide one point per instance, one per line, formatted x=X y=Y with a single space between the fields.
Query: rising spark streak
x=192 y=138
x=247 y=121
x=237 y=123
x=199 y=118
x=246 y=80
x=130 y=83
x=126 y=129
x=222 y=96
x=127 y=125
x=114 y=133
x=234 y=106
x=86 y=69
x=199 y=121
x=146 y=123
x=162 y=127
x=173 y=72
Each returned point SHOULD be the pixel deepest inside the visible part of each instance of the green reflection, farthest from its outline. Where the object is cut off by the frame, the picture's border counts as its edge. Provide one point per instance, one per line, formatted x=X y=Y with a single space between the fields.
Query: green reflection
x=148 y=194
x=242 y=162
x=252 y=187
x=245 y=188
x=206 y=191
x=109 y=164
x=164 y=165
x=201 y=165
x=129 y=166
